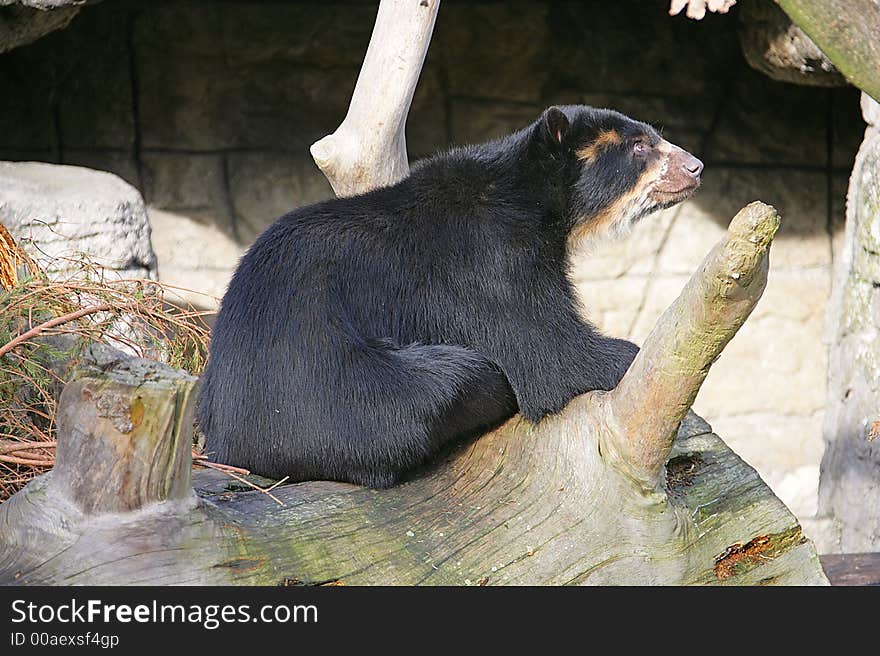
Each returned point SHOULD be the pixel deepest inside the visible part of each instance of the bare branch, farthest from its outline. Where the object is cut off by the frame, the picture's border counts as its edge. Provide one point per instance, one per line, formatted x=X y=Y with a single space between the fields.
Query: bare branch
x=51 y=323
x=648 y=405
x=368 y=149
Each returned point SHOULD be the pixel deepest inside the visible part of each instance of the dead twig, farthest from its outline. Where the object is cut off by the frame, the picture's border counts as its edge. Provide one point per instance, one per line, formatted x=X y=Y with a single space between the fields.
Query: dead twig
x=26 y=446
x=264 y=490
x=202 y=461
x=51 y=323
x=27 y=461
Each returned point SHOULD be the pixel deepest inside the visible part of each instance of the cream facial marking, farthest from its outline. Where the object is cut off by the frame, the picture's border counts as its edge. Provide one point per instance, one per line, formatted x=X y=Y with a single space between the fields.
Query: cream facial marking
x=656 y=188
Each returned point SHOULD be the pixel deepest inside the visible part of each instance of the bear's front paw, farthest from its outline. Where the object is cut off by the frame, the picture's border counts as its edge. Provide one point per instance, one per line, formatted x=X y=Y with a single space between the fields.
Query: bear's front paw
x=536 y=407
x=624 y=354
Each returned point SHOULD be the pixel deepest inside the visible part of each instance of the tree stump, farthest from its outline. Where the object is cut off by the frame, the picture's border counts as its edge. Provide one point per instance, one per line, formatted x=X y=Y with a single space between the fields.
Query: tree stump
x=128 y=435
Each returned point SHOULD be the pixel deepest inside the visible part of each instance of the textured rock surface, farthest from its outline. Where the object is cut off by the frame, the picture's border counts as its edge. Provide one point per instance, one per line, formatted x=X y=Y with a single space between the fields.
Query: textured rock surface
x=194 y=251
x=44 y=4
x=775 y=46
x=61 y=211
x=209 y=108
x=22 y=24
x=849 y=490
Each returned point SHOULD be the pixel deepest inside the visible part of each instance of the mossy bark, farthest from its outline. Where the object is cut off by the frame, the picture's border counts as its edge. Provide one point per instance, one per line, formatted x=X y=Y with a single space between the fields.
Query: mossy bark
x=849 y=484
x=518 y=506
x=774 y=45
x=848 y=32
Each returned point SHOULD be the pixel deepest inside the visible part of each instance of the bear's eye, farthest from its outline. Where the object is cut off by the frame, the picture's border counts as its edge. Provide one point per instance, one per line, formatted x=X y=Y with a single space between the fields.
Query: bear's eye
x=640 y=148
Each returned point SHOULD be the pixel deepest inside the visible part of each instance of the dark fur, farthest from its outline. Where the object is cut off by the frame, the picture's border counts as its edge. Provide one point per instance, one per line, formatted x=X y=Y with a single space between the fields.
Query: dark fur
x=360 y=335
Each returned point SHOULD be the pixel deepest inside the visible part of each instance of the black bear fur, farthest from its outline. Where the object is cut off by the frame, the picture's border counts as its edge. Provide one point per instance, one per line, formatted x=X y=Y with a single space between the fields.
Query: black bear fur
x=360 y=335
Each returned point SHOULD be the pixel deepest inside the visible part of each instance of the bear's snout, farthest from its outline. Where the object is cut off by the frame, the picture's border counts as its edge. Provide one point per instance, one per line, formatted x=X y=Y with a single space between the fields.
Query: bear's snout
x=680 y=175
x=692 y=165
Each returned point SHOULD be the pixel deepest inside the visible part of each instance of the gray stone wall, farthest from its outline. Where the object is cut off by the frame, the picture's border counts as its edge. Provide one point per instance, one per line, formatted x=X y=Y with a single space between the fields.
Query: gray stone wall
x=209 y=109
x=849 y=492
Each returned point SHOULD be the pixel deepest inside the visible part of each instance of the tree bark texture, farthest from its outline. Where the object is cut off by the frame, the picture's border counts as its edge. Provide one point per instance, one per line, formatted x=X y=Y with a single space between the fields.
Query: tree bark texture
x=849 y=483
x=848 y=32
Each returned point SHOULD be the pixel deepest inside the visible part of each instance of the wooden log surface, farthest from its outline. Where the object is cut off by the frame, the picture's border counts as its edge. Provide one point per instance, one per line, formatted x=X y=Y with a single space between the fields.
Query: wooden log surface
x=546 y=503
x=852 y=569
x=485 y=515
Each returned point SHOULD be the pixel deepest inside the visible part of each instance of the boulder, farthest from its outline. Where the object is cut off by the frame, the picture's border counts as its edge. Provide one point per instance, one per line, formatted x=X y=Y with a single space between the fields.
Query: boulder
x=57 y=212
x=849 y=484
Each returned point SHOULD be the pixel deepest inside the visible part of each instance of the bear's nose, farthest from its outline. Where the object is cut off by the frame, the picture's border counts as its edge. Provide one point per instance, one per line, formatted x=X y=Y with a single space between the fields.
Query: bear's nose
x=693 y=166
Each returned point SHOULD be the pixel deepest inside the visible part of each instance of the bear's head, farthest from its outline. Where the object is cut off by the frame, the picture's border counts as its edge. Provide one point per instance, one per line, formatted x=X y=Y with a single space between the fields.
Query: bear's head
x=615 y=170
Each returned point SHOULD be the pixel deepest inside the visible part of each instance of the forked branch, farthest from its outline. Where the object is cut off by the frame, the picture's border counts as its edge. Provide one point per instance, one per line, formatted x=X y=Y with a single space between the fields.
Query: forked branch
x=648 y=405
x=368 y=149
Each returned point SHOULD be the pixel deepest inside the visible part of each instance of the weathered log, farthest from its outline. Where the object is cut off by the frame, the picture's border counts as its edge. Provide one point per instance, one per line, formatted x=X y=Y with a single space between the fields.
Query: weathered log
x=127 y=427
x=369 y=148
x=847 y=32
x=549 y=503
x=775 y=46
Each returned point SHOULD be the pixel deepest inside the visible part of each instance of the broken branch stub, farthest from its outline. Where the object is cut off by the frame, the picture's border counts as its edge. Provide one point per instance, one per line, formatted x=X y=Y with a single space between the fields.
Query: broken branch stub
x=368 y=149
x=125 y=435
x=648 y=405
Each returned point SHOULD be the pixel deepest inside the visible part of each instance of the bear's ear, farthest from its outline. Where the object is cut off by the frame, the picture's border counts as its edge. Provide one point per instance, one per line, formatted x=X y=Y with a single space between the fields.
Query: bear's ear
x=556 y=123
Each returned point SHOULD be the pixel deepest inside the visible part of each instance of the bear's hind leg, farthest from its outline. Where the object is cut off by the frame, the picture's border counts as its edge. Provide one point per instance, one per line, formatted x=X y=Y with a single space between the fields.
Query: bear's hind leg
x=434 y=394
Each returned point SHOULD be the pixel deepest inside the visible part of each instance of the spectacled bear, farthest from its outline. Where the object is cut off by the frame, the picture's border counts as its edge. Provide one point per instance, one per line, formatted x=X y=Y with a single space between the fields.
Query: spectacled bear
x=360 y=335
